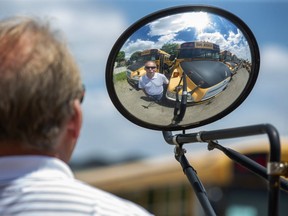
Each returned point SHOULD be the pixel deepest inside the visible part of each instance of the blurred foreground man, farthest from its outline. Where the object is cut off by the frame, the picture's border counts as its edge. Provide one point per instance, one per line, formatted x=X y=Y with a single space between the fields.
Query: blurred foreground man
x=40 y=121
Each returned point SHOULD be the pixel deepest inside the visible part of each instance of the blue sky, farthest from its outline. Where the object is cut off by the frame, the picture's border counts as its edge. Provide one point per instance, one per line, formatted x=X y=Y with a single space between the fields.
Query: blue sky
x=92 y=27
x=188 y=27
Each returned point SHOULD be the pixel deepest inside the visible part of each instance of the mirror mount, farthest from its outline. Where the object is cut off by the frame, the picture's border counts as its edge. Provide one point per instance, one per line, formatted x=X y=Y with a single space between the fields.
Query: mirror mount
x=271 y=175
x=203 y=68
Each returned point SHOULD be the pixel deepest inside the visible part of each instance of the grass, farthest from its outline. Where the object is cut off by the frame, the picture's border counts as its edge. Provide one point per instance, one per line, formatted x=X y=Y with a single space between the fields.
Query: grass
x=120 y=76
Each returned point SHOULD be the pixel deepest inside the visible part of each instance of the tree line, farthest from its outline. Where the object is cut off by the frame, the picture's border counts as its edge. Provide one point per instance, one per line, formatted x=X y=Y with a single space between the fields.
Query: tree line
x=170 y=48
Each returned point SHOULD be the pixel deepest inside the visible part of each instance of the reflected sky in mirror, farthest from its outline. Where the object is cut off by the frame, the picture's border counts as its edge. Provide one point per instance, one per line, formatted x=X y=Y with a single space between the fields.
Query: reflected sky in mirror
x=192 y=26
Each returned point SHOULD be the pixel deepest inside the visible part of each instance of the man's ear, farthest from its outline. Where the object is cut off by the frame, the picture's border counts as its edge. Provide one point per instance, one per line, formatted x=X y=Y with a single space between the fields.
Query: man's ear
x=74 y=123
x=70 y=134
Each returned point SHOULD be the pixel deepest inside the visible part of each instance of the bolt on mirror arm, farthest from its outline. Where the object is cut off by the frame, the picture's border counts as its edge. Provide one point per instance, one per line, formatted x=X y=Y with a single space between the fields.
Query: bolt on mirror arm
x=274 y=157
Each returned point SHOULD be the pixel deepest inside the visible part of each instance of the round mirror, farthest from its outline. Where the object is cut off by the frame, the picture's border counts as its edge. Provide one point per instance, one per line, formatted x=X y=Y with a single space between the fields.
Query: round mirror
x=182 y=67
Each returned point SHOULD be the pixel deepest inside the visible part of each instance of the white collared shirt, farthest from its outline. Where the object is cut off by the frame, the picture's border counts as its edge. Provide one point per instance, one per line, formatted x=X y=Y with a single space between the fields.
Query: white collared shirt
x=153 y=86
x=39 y=185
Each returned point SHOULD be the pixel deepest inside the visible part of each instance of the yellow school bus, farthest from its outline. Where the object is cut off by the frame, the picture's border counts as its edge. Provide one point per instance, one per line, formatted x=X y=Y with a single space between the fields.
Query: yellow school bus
x=206 y=75
x=230 y=60
x=136 y=70
x=160 y=186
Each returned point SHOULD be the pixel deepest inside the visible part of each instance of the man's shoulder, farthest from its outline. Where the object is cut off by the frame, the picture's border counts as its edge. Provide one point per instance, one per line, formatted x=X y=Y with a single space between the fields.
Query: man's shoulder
x=101 y=200
x=160 y=74
x=78 y=196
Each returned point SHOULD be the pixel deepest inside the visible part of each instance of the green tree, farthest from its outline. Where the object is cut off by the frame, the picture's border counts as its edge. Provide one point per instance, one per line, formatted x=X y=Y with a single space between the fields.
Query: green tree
x=120 y=56
x=135 y=56
x=170 y=48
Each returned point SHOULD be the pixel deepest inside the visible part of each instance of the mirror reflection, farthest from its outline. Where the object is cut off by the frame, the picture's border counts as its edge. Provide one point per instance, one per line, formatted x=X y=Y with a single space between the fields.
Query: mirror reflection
x=197 y=54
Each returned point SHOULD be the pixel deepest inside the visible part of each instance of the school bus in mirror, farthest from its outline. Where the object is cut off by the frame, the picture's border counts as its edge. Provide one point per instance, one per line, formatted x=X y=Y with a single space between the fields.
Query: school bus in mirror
x=206 y=75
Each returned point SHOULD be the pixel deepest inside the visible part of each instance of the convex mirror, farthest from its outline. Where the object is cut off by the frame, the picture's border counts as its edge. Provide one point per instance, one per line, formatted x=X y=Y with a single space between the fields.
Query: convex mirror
x=209 y=56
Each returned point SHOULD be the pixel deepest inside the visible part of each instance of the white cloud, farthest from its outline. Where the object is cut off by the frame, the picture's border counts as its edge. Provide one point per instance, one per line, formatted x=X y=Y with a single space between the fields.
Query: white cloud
x=91 y=40
x=274 y=59
x=133 y=46
x=235 y=42
x=166 y=38
x=179 y=22
x=91 y=28
x=168 y=28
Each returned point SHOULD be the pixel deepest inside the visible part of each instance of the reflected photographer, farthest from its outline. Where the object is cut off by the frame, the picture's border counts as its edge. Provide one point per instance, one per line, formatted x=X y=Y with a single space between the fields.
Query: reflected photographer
x=152 y=83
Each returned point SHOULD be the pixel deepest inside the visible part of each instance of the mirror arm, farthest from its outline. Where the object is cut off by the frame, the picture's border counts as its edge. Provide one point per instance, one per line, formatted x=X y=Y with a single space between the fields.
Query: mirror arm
x=246 y=162
x=179 y=117
x=177 y=105
x=274 y=157
x=170 y=138
x=195 y=182
x=190 y=173
x=183 y=98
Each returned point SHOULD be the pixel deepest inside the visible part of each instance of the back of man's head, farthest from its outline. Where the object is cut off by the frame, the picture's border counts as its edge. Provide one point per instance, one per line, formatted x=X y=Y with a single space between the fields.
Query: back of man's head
x=38 y=81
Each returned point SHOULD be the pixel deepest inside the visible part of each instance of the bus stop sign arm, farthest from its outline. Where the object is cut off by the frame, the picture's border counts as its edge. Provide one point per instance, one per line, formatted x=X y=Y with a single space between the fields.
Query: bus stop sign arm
x=274 y=156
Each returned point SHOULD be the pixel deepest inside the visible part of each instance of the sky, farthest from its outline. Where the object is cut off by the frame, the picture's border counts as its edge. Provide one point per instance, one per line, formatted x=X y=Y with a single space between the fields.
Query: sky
x=200 y=26
x=91 y=28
